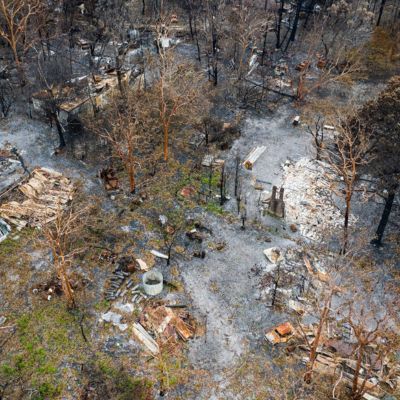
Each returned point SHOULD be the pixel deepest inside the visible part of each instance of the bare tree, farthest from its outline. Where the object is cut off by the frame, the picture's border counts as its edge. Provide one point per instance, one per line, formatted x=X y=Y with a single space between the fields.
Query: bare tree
x=373 y=325
x=124 y=125
x=322 y=304
x=61 y=236
x=345 y=159
x=52 y=74
x=318 y=135
x=179 y=91
x=213 y=33
x=383 y=155
x=174 y=226
x=15 y=19
x=248 y=25
x=330 y=65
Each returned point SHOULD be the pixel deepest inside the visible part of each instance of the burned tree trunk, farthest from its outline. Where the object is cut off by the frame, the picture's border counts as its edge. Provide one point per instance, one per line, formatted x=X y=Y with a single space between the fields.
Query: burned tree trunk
x=237 y=174
x=279 y=24
x=277 y=278
x=222 y=186
x=346 y=222
x=384 y=219
x=380 y=12
x=293 y=32
x=60 y=130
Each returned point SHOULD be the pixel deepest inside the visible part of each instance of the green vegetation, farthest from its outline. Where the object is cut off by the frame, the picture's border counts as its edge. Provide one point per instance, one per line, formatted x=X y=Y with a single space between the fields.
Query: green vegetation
x=214 y=208
x=122 y=385
x=10 y=247
x=44 y=339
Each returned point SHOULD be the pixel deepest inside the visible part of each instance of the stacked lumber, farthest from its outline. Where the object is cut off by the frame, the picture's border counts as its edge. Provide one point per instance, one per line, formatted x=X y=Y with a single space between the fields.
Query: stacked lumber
x=46 y=192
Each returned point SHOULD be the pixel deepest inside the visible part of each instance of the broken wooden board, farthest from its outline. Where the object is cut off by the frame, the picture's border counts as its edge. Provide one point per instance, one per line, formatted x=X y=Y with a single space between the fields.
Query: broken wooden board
x=253 y=157
x=164 y=322
x=320 y=275
x=184 y=330
x=142 y=264
x=143 y=336
x=158 y=254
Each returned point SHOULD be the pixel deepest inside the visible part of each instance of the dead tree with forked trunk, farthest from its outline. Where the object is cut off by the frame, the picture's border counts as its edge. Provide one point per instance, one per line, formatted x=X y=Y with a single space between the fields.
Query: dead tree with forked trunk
x=317 y=132
x=373 y=318
x=16 y=28
x=345 y=159
x=336 y=65
x=178 y=91
x=123 y=125
x=322 y=305
x=61 y=236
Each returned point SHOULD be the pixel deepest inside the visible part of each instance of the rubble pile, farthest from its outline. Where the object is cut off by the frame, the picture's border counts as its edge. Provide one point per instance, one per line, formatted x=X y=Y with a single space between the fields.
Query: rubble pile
x=158 y=324
x=122 y=271
x=46 y=192
x=379 y=376
x=309 y=198
x=165 y=325
x=290 y=279
x=336 y=354
x=286 y=281
x=5 y=229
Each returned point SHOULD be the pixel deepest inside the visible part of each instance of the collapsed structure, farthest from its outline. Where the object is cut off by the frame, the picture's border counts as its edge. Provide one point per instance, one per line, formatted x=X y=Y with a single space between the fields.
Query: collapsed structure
x=310 y=198
x=45 y=193
x=83 y=94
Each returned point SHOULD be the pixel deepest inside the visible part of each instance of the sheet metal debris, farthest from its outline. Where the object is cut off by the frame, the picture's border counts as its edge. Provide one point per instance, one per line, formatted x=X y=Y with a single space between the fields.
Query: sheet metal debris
x=274 y=255
x=5 y=229
x=142 y=264
x=11 y=171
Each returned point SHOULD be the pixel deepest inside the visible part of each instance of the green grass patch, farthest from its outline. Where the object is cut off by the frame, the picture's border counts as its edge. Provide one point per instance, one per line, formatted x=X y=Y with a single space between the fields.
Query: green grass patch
x=44 y=339
x=121 y=384
x=214 y=208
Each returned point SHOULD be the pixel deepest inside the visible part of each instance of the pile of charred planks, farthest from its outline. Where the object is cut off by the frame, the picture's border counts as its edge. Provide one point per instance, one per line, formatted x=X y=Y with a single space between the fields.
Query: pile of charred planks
x=165 y=324
x=377 y=374
x=47 y=191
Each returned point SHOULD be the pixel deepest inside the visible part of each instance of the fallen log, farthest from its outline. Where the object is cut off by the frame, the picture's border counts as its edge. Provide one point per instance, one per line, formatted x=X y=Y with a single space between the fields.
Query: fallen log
x=253 y=157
